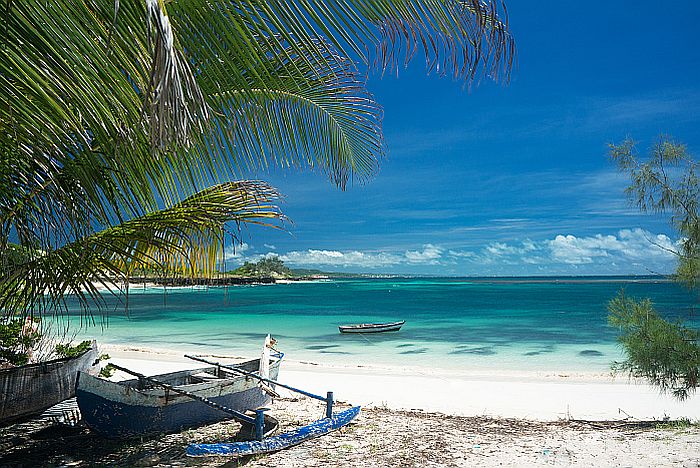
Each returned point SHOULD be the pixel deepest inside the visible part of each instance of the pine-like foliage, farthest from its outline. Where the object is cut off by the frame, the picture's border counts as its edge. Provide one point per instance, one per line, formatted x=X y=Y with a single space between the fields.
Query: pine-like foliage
x=665 y=353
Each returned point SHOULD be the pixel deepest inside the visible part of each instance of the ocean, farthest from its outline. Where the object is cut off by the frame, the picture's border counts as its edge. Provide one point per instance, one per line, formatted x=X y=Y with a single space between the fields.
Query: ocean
x=538 y=324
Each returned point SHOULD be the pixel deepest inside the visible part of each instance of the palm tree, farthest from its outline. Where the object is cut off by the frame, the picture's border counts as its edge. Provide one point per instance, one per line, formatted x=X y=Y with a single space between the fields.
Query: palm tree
x=115 y=117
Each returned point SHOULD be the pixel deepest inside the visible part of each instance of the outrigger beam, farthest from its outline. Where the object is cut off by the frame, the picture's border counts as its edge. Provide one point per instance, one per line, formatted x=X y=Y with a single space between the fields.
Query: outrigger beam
x=236 y=415
x=328 y=399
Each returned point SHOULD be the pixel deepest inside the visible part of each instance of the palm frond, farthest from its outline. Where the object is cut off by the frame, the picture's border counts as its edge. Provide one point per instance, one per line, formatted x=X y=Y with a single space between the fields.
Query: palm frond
x=185 y=238
x=465 y=37
x=177 y=106
x=309 y=114
x=111 y=110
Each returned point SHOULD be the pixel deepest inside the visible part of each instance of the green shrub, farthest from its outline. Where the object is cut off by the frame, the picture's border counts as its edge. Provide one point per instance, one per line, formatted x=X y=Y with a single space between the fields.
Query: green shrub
x=16 y=341
x=68 y=351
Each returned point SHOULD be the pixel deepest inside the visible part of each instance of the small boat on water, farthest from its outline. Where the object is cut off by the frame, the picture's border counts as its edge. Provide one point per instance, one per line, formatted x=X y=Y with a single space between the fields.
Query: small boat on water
x=371 y=327
x=140 y=406
x=32 y=388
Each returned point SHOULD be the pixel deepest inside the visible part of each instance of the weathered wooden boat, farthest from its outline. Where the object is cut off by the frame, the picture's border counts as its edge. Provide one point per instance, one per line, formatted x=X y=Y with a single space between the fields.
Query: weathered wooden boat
x=30 y=389
x=138 y=406
x=275 y=443
x=371 y=327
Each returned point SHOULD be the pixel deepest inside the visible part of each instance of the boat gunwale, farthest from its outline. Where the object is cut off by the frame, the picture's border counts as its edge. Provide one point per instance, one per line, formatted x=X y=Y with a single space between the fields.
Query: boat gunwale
x=127 y=393
x=52 y=362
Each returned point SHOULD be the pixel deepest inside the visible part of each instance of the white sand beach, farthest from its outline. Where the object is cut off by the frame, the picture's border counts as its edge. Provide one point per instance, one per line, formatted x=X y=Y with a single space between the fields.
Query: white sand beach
x=536 y=395
x=410 y=418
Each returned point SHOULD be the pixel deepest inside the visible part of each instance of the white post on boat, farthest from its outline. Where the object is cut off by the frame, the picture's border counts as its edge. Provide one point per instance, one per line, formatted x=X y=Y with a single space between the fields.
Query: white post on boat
x=329 y=405
x=264 y=368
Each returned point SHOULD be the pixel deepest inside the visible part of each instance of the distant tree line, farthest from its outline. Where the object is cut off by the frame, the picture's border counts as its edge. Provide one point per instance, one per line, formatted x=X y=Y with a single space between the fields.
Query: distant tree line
x=268 y=266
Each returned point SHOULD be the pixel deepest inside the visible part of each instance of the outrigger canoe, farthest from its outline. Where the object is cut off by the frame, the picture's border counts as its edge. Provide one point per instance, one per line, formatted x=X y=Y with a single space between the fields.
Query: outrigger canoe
x=137 y=407
x=32 y=388
x=371 y=327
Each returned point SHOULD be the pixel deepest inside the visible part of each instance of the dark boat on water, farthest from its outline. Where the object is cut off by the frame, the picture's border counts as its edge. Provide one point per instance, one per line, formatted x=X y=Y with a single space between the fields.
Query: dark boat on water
x=138 y=406
x=30 y=389
x=371 y=327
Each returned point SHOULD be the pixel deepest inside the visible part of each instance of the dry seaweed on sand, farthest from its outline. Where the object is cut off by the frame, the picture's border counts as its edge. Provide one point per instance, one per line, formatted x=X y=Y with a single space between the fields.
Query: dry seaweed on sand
x=380 y=437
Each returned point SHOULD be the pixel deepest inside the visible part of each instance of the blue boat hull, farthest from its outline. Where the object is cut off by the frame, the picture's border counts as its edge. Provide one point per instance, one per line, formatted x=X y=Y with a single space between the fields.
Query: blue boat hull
x=120 y=410
x=117 y=420
x=273 y=444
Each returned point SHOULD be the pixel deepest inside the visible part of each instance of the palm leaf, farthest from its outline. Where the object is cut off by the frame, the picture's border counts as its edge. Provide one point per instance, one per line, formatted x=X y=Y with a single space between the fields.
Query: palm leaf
x=307 y=115
x=186 y=239
x=162 y=67
x=111 y=110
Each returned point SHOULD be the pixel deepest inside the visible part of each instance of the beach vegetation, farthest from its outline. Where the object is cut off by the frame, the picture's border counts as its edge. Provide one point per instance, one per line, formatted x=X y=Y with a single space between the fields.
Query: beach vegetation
x=18 y=337
x=23 y=341
x=107 y=371
x=271 y=266
x=678 y=424
x=126 y=127
x=665 y=353
x=67 y=350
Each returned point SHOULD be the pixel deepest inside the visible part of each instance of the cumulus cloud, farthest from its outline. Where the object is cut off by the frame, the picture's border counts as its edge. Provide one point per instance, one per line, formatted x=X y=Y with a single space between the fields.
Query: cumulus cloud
x=461 y=253
x=632 y=244
x=628 y=251
x=500 y=249
x=337 y=258
x=630 y=247
x=430 y=254
x=236 y=251
x=574 y=250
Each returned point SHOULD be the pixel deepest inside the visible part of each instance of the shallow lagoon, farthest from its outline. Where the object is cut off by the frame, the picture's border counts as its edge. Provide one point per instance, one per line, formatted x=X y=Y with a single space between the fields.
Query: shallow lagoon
x=467 y=324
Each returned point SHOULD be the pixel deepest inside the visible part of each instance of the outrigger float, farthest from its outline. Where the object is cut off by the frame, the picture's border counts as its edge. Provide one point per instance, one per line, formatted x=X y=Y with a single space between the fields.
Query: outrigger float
x=331 y=422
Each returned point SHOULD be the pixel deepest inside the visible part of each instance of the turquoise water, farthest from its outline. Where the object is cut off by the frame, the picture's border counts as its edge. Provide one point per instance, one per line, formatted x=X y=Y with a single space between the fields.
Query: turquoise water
x=464 y=323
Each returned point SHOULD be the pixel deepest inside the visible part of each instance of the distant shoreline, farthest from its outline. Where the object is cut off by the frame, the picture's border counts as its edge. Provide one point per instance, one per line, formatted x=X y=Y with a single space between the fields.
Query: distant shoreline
x=249 y=280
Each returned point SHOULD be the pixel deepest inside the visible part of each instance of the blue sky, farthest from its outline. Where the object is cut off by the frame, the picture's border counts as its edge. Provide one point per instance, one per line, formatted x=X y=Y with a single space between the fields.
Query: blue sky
x=511 y=180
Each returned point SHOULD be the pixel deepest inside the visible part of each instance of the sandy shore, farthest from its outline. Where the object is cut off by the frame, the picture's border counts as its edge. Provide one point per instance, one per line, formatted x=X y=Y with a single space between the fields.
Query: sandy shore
x=410 y=418
x=379 y=437
x=540 y=396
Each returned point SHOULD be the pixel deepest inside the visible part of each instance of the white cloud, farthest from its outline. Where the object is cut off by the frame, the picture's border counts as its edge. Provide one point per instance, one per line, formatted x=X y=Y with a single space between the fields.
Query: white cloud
x=270 y=246
x=336 y=258
x=430 y=254
x=635 y=248
x=502 y=252
x=630 y=244
x=236 y=251
x=629 y=251
x=573 y=250
x=461 y=254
